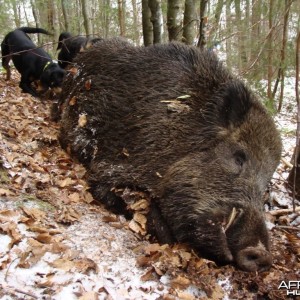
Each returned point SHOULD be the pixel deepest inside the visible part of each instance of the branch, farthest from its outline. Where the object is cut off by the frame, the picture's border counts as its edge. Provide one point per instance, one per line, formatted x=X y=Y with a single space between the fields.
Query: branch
x=280 y=212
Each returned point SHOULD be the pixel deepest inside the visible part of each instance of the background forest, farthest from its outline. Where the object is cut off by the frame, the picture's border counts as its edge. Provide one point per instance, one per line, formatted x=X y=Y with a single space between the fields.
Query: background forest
x=255 y=38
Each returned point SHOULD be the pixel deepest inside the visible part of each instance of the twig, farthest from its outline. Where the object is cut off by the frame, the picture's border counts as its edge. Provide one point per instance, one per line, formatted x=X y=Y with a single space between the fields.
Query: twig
x=280 y=212
x=288 y=227
x=15 y=290
x=286 y=163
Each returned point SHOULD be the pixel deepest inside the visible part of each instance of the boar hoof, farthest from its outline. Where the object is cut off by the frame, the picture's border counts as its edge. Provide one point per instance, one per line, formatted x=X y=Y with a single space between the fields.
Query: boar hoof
x=254 y=259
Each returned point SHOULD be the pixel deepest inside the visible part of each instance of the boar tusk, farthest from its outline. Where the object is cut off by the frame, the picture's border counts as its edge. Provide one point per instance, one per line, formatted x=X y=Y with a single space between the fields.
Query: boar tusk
x=231 y=218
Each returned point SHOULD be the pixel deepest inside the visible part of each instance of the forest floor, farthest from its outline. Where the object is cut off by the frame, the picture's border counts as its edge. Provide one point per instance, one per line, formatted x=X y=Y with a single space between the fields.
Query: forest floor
x=56 y=243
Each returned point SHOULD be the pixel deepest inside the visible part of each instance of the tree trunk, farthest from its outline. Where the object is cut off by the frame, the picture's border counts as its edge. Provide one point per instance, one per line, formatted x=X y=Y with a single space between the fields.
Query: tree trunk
x=147 y=25
x=189 y=20
x=36 y=19
x=294 y=175
x=136 y=25
x=228 y=32
x=203 y=23
x=121 y=15
x=283 y=51
x=86 y=18
x=25 y=12
x=64 y=11
x=174 y=19
x=16 y=10
x=270 y=54
x=156 y=19
x=240 y=27
x=217 y=15
x=53 y=21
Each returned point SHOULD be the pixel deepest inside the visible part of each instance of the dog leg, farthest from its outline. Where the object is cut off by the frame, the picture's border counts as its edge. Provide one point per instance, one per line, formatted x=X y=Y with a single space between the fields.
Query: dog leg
x=26 y=87
x=5 y=64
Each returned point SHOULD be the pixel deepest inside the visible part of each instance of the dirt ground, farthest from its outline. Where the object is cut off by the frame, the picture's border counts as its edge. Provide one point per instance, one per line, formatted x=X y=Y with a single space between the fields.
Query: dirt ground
x=56 y=243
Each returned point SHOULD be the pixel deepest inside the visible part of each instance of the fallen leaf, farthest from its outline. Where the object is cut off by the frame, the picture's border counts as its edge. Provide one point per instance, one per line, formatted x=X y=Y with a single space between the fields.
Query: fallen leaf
x=72 y=101
x=44 y=238
x=180 y=282
x=88 y=84
x=6 y=192
x=82 y=120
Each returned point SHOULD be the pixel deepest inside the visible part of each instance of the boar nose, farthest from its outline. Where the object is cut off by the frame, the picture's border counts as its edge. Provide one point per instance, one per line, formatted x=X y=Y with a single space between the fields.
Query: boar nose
x=254 y=259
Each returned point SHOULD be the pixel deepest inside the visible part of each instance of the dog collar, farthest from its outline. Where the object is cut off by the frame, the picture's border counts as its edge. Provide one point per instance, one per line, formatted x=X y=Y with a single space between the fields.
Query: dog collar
x=48 y=63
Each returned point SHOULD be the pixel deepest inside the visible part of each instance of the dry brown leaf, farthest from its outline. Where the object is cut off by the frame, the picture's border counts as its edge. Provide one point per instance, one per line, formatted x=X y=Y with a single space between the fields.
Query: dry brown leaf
x=154 y=248
x=72 y=101
x=8 y=214
x=58 y=247
x=185 y=296
x=180 y=282
x=139 y=205
x=39 y=229
x=68 y=215
x=73 y=71
x=65 y=182
x=6 y=192
x=295 y=243
x=141 y=219
x=62 y=263
x=136 y=227
x=148 y=276
x=85 y=264
x=44 y=238
x=88 y=84
x=34 y=213
x=88 y=198
x=74 y=197
x=82 y=120
x=110 y=218
x=47 y=282
x=12 y=230
x=89 y=296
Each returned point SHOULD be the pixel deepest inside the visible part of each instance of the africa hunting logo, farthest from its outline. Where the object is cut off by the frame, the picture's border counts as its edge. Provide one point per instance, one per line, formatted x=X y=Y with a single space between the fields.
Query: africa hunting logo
x=291 y=287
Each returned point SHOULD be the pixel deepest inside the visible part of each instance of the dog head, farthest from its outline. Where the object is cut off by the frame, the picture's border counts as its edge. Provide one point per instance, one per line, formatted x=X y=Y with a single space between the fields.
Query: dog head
x=63 y=36
x=52 y=76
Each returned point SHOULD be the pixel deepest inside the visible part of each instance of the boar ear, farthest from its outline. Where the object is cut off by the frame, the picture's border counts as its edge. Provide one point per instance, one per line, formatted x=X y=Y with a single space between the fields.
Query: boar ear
x=236 y=100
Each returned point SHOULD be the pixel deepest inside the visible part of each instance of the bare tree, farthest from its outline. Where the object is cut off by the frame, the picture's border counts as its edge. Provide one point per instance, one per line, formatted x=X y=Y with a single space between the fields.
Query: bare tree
x=86 y=18
x=36 y=18
x=121 y=14
x=174 y=19
x=270 y=53
x=135 y=22
x=189 y=21
x=16 y=10
x=282 y=68
x=64 y=11
x=156 y=19
x=203 y=23
x=294 y=175
x=147 y=25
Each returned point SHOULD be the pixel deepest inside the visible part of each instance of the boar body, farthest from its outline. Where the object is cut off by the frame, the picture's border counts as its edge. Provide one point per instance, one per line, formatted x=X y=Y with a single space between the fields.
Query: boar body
x=172 y=121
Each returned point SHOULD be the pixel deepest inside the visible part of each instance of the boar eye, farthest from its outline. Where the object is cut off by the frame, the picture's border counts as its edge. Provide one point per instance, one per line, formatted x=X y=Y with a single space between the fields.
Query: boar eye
x=239 y=157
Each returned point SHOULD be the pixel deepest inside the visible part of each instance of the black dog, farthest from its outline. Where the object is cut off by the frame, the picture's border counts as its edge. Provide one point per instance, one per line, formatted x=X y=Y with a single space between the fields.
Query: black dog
x=32 y=63
x=70 y=46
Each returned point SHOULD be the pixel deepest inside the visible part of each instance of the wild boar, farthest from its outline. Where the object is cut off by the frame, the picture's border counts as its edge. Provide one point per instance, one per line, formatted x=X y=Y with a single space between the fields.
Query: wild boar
x=172 y=121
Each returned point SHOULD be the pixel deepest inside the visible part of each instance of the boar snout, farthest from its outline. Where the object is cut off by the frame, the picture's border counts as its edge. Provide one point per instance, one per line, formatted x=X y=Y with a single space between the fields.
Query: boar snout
x=254 y=259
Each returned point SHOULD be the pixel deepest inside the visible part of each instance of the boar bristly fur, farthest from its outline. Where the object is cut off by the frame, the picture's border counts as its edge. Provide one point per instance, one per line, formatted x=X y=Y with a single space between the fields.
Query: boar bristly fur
x=172 y=121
